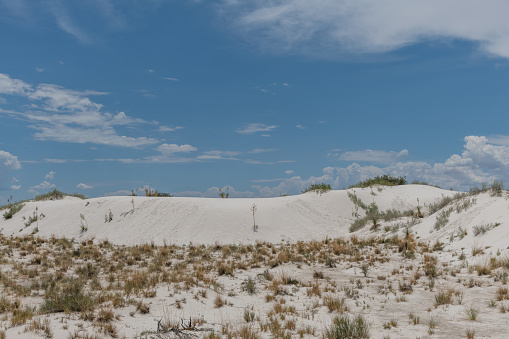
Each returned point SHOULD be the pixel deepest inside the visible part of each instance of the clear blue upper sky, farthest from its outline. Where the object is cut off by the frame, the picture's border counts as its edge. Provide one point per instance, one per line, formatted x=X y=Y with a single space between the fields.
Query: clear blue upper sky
x=103 y=96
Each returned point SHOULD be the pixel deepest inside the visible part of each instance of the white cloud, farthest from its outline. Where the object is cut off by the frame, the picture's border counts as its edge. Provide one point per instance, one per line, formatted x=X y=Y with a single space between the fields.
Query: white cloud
x=480 y=162
x=50 y=175
x=84 y=186
x=56 y=161
x=8 y=163
x=369 y=26
x=66 y=23
x=70 y=116
x=172 y=79
x=44 y=186
x=262 y=150
x=218 y=155
x=169 y=129
x=39 y=69
x=12 y=86
x=256 y=127
x=300 y=126
x=374 y=156
x=147 y=94
x=15 y=187
x=174 y=148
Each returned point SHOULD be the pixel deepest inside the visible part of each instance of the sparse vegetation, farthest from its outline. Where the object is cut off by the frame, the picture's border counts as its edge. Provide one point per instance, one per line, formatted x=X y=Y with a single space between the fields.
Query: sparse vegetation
x=384 y=180
x=57 y=195
x=318 y=188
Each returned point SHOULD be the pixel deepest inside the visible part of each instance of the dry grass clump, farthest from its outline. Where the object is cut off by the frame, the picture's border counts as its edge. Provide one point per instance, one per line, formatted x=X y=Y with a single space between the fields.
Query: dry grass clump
x=345 y=326
x=444 y=296
x=335 y=304
x=43 y=328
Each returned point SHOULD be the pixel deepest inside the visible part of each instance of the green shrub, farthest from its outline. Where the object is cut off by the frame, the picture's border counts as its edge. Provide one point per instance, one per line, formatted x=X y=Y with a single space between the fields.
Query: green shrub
x=318 y=188
x=13 y=210
x=496 y=188
x=384 y=180
x=343 y=327
x=57 y=195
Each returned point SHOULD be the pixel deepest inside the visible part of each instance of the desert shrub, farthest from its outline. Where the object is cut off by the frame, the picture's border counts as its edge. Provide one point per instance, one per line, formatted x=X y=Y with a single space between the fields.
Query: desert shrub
x=164 y=195
x=443 y=218
x=483 y=228
x=496 y=188
x=67 y=297
x=57 y=195
x=249 y=286
x=335 y=303
x=13 y=209
x=384 y=180
x=356 y=201
x=318 y=188
x=345 y=327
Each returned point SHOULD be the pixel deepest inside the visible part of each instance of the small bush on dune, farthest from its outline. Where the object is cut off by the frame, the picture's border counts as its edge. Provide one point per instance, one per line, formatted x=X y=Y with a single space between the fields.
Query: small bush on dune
x=57 y=195
x=384 y=180
x=318 y=188
x=13 y=209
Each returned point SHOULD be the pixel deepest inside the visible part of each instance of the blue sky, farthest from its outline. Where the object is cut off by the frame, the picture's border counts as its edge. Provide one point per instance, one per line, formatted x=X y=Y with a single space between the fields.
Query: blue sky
x=101 y=97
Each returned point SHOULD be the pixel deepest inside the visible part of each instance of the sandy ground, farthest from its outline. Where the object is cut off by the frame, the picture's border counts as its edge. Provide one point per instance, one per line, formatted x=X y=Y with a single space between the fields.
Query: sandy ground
x=286 y=220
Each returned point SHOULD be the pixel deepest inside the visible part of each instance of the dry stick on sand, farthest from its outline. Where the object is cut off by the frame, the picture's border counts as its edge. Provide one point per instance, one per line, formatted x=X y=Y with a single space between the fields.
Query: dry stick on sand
x=255 y=226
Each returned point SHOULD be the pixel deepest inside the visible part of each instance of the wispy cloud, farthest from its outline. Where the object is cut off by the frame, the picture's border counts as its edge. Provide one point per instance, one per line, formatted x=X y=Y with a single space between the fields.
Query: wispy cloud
x=66 y=23
x=374 y=156
x=146 y=93
x=368 y=26
x=262 y=150
x=169 y=129
x=255 y=128
x=84 y=186
x=50 y=175
x=65 y=115
x=172 y=79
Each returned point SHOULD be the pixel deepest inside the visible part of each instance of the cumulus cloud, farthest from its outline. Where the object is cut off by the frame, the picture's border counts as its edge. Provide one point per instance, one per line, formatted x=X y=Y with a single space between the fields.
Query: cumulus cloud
x=84 y=186
x=61 y=114
x=256 y=127
x=15 y=187
x=50 y=175
x=43 y=186
x=374 y=156
x=369 y=26
x=8 y=163
x=480 y=162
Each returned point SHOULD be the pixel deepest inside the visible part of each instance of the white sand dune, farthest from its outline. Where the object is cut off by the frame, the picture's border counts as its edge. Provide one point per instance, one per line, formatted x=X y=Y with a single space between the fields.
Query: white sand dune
x=201 y=220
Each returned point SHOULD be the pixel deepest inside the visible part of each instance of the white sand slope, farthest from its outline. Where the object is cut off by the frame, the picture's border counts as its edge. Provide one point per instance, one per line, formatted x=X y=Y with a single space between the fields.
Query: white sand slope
x=201 y=220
